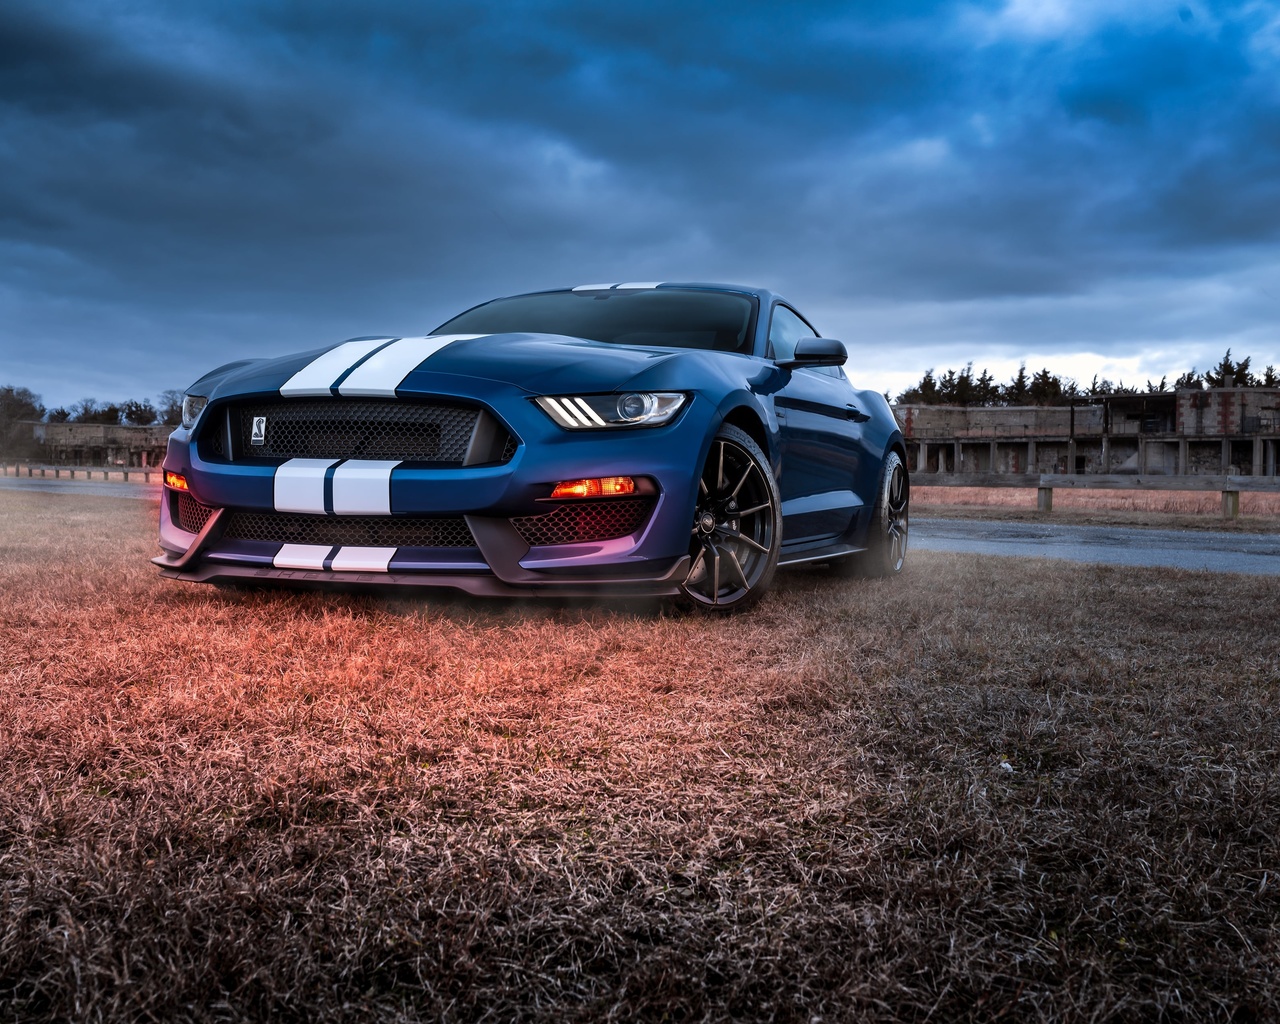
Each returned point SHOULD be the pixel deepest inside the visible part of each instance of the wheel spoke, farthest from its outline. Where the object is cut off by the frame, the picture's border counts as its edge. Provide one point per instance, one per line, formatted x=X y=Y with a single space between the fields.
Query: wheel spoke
x=699 y=561
x=734 y=492
x=737 y=566
x=720 y=471
x=715 y=574
x=702 y=487
x=753 y=510
x=751 y=542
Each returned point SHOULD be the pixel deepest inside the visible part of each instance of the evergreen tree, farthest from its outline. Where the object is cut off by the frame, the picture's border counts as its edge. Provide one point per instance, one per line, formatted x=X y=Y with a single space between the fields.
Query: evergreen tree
x=140 y=414
x=988 y=390
x=16 y=406
x=1228 y=374
x=87 y=410
x=1017 y=391
x=1045 y=389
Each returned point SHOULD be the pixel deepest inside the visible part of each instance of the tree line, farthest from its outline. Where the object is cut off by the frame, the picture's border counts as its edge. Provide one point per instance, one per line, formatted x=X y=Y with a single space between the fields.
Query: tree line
x=19 y=405
x=1047 y=388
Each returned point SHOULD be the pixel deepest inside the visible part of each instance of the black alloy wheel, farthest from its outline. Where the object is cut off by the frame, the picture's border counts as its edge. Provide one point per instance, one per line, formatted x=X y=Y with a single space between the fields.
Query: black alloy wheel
x=737 y=526
x=886 y=551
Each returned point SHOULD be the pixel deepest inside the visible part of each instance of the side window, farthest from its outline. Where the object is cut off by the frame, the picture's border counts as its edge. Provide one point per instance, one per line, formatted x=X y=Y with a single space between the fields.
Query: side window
x=785 y=330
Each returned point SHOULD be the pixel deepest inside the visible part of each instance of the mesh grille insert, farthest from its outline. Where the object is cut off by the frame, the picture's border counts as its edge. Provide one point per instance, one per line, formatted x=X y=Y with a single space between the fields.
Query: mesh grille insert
x=360 y=531
x=191 y=514
x=585 y=520
x=366 y=428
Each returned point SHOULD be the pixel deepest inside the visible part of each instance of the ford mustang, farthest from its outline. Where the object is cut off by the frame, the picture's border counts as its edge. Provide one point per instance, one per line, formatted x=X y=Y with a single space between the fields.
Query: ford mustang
x=679 y=440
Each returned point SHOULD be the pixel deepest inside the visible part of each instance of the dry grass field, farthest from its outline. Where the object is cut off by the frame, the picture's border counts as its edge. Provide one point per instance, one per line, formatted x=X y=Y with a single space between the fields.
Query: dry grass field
x=1177 y=510
x=986 y=790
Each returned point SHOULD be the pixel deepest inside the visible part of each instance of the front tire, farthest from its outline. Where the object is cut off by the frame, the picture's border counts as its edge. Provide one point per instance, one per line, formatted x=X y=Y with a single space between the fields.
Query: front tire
x=737 y=526
x=886 y=551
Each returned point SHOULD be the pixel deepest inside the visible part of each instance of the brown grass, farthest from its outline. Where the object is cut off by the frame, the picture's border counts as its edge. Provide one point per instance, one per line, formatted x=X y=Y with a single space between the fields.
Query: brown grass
x=1179 y=510
x=1028 y=789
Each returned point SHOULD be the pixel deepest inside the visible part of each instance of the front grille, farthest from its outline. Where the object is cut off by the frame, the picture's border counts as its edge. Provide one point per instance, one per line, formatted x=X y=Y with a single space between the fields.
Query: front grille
x=585 y=520
x=365 y=428
x=191 y=514
x=360 y=531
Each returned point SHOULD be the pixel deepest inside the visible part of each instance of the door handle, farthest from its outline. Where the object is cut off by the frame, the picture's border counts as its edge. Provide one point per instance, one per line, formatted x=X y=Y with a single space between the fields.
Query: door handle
x=855 y=414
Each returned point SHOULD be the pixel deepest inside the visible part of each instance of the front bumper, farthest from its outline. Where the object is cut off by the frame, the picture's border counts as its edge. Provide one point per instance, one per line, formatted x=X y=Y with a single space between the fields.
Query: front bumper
x=497 y=560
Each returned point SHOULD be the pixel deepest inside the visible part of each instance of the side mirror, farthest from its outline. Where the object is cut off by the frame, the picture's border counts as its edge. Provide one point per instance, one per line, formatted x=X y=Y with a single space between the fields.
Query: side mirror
x=817 y=352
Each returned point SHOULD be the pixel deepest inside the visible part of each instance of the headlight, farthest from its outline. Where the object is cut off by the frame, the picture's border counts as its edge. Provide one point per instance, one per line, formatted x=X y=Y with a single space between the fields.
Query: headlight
x=632 y=409
x=192 y=406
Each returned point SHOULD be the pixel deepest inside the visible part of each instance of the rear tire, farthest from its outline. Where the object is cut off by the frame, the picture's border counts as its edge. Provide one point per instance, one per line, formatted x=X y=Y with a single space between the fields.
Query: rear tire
x=886 y=551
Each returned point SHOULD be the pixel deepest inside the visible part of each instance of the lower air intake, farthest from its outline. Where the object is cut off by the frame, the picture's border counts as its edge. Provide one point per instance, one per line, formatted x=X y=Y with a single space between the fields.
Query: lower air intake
x=190 y=514
x=359 y=531
x=585 y=521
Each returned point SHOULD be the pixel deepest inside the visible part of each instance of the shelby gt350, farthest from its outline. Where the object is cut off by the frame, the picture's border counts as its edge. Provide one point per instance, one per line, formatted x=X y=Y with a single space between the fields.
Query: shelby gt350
x=635 y=438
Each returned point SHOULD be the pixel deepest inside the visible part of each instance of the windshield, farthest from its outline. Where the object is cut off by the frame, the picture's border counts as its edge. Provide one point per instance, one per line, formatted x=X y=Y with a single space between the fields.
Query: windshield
x=667 y=317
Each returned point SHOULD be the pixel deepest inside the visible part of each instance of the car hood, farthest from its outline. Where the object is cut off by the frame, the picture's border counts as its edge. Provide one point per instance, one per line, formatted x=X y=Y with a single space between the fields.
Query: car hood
x=546 y=363
x=535 y=363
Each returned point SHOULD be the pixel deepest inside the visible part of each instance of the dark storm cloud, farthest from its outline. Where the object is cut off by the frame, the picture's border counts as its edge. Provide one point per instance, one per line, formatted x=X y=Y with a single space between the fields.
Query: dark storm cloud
x=179 y=184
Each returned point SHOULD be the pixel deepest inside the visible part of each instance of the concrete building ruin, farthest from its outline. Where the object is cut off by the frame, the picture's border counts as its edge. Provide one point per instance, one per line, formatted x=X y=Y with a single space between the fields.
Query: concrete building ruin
x=1217 y=431
x=99 y=444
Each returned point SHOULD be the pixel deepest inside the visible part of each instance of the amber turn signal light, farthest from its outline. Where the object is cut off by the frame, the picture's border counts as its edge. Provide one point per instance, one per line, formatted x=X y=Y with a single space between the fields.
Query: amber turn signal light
x=175 y=480
x=602 y=487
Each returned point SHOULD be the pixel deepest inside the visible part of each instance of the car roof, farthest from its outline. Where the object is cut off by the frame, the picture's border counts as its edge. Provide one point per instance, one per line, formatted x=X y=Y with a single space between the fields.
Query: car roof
x=649 y=285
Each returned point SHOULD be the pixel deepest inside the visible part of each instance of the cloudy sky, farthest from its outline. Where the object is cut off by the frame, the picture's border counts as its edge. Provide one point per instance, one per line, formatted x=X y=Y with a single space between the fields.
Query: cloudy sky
x=1092 y=185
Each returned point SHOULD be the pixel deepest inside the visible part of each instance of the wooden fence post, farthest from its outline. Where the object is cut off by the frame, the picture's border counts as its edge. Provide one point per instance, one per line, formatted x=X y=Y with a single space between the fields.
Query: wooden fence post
x=1230 y=504
x=1044 y=499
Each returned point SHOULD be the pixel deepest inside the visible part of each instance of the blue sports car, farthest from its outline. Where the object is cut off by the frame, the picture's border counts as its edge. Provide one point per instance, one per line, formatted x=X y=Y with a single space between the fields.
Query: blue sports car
x=679 y=440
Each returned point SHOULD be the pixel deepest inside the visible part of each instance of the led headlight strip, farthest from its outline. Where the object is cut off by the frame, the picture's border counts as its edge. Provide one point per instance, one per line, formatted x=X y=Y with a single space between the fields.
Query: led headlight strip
x=632 y=409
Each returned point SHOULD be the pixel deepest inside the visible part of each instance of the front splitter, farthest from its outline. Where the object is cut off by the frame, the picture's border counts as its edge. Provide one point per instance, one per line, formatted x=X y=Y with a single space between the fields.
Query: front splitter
x=477 y=584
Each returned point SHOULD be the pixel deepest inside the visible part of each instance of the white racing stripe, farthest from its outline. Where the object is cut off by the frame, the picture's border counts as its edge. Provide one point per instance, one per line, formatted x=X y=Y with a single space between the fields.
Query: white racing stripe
x=356 y=559
x=637 y=285
x=317 y=377
x=380 y=374
x=299 y=485
x=302 y=556
x=593 y=288
x=363 y=488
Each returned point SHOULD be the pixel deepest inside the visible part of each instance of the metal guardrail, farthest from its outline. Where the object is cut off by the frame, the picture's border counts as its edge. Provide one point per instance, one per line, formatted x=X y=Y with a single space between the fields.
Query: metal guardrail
x=125 y=473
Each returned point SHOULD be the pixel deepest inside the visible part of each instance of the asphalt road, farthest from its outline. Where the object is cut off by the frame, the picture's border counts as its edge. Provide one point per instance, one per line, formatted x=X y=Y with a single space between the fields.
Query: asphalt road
x=1252 y=553
x=101 y=488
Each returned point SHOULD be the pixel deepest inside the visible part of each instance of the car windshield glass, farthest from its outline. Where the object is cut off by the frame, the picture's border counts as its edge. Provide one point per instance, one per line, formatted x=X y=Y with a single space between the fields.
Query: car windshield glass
x=666 y=317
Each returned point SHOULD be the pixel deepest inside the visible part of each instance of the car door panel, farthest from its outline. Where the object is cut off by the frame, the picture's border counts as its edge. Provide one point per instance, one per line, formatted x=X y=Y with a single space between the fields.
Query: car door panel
x=822 y=456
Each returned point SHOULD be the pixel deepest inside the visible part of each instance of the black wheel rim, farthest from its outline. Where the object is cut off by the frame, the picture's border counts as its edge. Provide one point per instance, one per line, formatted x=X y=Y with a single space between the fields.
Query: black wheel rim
x=733 y=527
x=897 y=497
